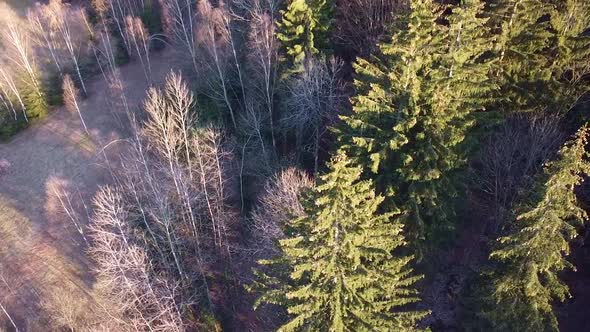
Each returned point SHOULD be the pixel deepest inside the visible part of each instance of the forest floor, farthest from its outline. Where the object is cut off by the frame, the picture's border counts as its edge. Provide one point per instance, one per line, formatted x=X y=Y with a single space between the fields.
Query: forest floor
x=43 y=268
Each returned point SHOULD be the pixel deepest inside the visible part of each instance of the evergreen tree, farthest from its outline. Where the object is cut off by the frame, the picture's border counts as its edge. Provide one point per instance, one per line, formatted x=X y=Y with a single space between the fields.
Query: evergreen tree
x=541 y=53
x=415 y=105
x=303 y=31
x=341 y=272
x=34 y=97
x=570 y=20
x=530 y=257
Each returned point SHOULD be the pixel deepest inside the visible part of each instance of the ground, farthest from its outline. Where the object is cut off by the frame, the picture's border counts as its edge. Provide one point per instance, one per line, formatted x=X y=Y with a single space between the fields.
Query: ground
x=41 y=251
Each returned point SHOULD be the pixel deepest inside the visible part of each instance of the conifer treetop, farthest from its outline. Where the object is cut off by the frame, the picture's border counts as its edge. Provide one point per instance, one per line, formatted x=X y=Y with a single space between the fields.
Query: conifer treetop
x=343 y=264
x=303 y=31
x=415 y=106
x=533 y=254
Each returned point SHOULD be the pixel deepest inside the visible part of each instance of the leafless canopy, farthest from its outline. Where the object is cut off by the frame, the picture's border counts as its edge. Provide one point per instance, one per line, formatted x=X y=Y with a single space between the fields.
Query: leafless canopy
x=277 y=205
x=511 y=159
x=313 y=102
x=361 y=23
x=158 y=232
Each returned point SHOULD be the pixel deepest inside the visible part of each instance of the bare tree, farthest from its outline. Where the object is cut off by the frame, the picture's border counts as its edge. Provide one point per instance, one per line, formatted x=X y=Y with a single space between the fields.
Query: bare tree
x=179 y=20
x=361 y=23
x=278 y=204
x=60 y=204
x=142 y=299
x=100 y=7
x=170 y=212
x=71 y=96
x=229 y=19
x=139 y=38
x=9 y=317
x=102 y=46
x=118 y=103
x=14 y=90
x=169 y=131
x=6 y=101
x=8 y=90
x=215 y=164
x=209 y=35
x=40 y=20
x=215 y=50
x=69 y=23
x=18 y=52
x=511 y=158
x=264 y=57
x=119 y=10
x=253 y=125
x=104 y=53
x=313 y=102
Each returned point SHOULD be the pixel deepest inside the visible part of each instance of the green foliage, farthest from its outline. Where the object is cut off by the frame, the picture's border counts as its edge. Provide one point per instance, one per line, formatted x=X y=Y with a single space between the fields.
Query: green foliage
x=121 y=55
x=8 y=125
x=337 y=272
x=525 y=281
x=151 y=17
x=34 y=98
x=53 y=89
x=415 y=105
x=304 y=30
x=208 y=322
x=542 y=53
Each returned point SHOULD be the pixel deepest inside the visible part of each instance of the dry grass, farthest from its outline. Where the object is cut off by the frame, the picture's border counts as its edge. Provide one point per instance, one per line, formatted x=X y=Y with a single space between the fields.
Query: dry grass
x=34 y=276
x=42 y=254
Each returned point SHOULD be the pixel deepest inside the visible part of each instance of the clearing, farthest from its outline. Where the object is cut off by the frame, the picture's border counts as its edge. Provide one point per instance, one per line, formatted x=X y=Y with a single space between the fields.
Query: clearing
x=43 y=269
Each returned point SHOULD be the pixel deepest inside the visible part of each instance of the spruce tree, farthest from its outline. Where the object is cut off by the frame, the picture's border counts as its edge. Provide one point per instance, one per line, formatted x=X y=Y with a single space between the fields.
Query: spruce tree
x=529 y=259
x=570 y=20
x=303 y=31
x=416 y=104
x=34 y=96
x=541 y=52
x=342 y=275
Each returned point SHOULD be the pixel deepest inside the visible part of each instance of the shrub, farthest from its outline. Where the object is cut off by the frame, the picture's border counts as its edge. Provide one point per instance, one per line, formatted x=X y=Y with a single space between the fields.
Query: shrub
x=8 y=125
x=121 y=54
x=35 y=102
x=53 y=90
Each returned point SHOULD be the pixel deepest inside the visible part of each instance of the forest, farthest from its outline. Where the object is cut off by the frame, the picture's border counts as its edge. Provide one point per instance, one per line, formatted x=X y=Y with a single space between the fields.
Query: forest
x=294 y=165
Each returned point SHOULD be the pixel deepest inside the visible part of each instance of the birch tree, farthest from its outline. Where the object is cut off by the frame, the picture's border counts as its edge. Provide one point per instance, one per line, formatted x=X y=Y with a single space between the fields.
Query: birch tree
x=118 y=10
x=277 y=205
x=71 y=97
x=263 y=58
x=40 y=20
x=139 y=38
x=314 y=99
x=18 y=52
x=69 y=23
x=215 y=49
x=140 y=298
x=179 y=23
x=10 y=89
